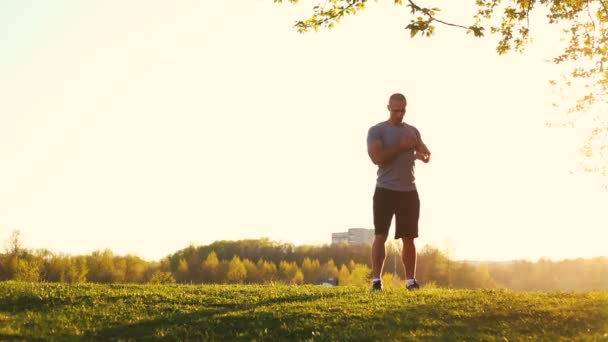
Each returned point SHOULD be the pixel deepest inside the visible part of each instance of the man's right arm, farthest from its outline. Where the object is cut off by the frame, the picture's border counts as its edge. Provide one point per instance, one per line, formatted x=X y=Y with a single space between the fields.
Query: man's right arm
x=381 y=155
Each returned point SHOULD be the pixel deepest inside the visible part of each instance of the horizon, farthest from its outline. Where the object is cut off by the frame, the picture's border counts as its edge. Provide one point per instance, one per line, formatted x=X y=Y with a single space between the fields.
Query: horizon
x=295 y=245
x=144 y=128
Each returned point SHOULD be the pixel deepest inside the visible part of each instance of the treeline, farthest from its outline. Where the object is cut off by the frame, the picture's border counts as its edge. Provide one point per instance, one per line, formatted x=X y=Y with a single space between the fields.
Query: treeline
x=264 y=261
x=247 y=261
x=581 y=275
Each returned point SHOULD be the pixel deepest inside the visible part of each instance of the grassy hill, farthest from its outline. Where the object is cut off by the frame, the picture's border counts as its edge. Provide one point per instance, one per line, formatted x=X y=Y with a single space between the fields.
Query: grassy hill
x=251 y=312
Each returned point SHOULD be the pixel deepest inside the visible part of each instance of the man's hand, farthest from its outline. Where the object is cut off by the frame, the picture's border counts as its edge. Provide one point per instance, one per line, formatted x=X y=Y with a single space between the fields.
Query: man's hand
x=422 y=152
x=425 y=157
x=381 y=155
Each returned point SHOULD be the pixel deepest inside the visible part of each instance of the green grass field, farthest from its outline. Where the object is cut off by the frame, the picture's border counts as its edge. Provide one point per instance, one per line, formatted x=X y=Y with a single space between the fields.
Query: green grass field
x=251 y=312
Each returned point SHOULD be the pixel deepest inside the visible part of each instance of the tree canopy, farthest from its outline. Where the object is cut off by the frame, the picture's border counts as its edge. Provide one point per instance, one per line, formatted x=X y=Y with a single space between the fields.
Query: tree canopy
x=584 y=28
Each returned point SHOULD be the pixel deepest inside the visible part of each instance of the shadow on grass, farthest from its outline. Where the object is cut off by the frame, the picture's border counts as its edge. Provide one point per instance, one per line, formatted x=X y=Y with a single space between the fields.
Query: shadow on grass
x=289 y=316
x=220 y=321
x=273 y=320
x=21 y=303
x=7 y=337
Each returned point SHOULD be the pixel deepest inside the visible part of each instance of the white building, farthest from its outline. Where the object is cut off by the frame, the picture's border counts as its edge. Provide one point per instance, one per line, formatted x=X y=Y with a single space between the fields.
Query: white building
x=354 y=236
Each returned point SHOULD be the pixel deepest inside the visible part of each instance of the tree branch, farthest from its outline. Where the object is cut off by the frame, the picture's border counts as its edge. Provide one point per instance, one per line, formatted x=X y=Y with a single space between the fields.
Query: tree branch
x=528 y=15
x=433 y=18
x=604 y=5
x=589 y=14
x=304 y=26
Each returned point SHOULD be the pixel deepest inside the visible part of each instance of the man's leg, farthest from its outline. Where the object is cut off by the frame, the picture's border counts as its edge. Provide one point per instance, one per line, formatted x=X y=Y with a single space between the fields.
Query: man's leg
x=409 y=258
x=407 y=215
x=383 y=214
x=378 y=255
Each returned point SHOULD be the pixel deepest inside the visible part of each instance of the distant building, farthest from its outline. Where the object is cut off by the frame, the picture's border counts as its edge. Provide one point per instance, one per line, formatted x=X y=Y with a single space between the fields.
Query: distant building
x=339 y=238
x=354 y=236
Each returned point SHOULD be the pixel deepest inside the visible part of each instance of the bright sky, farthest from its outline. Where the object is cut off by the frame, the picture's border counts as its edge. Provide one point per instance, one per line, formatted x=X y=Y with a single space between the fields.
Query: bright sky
x=142 y=127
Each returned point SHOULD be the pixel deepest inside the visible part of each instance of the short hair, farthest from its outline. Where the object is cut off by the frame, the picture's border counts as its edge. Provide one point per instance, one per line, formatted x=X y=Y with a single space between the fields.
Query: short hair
x=397 y=97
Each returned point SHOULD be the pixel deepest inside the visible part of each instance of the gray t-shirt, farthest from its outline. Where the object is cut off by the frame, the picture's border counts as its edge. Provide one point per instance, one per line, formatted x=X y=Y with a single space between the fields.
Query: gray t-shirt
x=399 y=174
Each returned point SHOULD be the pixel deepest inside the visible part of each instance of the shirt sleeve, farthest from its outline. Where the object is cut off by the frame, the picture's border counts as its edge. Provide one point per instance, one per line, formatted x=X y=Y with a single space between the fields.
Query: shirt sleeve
x=374 y=134
x=417 y=132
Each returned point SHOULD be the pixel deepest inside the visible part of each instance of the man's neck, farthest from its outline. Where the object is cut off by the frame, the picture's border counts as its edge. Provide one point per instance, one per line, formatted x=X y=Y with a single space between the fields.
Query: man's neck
x=396 y=124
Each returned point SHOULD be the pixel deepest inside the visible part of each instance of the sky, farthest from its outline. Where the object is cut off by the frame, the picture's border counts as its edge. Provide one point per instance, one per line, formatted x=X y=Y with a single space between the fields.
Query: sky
x=144 y=127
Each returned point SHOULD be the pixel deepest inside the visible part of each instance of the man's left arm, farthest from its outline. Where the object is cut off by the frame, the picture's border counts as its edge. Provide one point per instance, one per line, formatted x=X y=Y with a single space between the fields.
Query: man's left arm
x=422 y=152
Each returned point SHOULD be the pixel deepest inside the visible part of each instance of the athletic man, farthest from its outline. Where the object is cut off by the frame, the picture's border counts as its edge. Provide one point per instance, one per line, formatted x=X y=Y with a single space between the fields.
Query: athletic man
x=394 y=146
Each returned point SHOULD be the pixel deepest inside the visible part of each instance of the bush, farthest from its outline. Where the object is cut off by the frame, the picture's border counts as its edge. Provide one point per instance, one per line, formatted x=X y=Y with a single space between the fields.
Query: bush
x=160 y=277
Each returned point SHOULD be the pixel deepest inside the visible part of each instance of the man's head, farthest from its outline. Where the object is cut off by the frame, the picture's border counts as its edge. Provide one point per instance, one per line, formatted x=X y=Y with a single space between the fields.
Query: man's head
x=396 y=108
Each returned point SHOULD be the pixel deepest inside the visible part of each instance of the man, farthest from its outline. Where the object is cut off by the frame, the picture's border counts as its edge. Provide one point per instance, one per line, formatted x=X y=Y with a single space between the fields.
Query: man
x=394 y=146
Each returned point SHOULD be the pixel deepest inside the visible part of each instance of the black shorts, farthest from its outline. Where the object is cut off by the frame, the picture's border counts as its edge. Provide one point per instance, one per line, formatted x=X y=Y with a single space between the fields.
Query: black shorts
x=405 y=205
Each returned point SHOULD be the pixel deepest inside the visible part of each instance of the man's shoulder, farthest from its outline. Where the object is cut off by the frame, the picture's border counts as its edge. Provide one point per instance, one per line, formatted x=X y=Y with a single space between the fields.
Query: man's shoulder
x=379 y=125
x=375 y=132
x=407 y=125
x=411 y=127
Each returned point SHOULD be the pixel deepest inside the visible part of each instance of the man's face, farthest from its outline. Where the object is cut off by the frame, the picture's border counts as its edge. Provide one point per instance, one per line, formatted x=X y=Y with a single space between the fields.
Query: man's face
x=397 y=110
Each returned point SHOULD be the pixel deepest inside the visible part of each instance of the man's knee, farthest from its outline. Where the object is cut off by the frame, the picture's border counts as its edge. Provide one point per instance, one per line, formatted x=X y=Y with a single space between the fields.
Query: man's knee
x=380 y=238
x=408 y=242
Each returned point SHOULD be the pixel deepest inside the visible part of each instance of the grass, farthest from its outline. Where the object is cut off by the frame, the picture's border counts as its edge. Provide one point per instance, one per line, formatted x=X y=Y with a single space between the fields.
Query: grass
x=276 y=313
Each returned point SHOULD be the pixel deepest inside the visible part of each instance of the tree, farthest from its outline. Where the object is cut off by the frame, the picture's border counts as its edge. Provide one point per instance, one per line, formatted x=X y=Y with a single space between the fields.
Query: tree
x=582 y=23
x=310 y=269
x=467 y=276
x=253 y=276
x=482 y=278
x=287 y=271
x=502 y=274
x=298 y=278
x=101 y=266
x=14 y=245
x=120 y=270
x=328 y=270
x=359 y=274
x=182 y=274
x=135 y=269
x=432 y=266
x=267 y=270
x=209 y=268
x=344 y=276
x=463 y=275
x=28 y=269
x=78 y=270
x=222 y=271
x=236 y=270
x=56 y=268
x=160 y=277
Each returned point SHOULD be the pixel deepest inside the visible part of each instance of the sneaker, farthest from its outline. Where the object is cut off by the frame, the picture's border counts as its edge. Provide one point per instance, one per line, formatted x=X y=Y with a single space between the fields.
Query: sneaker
x=377 y=286
x=414 y=286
